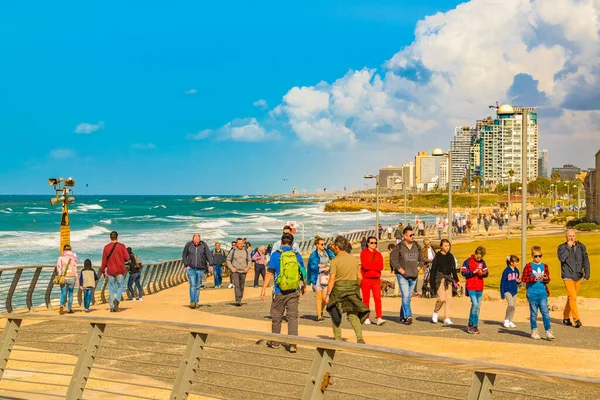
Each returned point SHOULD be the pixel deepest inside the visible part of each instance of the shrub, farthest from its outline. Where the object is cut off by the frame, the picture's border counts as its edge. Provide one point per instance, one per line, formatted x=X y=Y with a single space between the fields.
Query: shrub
x=575 y=222
x=587 y=227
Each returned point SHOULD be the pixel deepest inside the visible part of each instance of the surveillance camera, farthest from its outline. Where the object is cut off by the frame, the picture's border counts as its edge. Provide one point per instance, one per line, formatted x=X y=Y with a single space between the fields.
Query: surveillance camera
x=55 y=200
x=70 y=182
x=54 y=181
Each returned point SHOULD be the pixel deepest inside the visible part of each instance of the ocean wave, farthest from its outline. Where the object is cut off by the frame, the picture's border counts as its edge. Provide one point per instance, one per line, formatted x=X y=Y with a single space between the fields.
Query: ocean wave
x=208 y=208
x=160 y=206
x=213 y=224
x=88 y=207
x=38 y=212
x=102 y=201
x=35 y=208
x=183 y=217
x=106 y=221
x=78 y=236
x=212 y=198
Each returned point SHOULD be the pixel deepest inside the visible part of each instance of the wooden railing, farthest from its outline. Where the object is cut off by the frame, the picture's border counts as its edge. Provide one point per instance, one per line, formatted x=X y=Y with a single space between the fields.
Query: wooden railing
x=76 y=357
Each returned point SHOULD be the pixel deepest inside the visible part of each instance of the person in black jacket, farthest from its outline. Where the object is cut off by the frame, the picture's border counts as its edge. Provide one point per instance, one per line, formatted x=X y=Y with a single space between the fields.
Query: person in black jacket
x=219 y=256
x=197 y=259
x=443 y=277
x=135 y=269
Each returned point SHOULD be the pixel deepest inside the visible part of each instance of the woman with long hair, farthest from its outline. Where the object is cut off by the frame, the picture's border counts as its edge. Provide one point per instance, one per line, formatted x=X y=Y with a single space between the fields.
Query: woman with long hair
x=318 y=273
x=443 y=277
x=66 y=266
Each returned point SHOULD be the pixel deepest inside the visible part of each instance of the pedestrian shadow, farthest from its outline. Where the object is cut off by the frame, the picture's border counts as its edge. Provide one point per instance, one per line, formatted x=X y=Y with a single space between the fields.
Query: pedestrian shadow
x=310 y=317
x=425 y=319
x=498 y=323
x=330 y=338
x=514 y=332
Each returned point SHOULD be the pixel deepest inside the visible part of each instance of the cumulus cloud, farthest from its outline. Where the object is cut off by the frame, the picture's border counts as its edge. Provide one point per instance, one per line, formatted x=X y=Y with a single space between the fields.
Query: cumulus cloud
x=262 y=104
x=526 y=52
x=86 y=128
x=61 y=154
x=191 y=91
x=144 y=146
x=240 y=130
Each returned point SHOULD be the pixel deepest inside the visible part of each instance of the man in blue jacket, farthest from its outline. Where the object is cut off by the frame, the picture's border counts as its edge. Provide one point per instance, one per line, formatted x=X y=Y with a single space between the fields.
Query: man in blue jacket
x=285 y=300
x=197 y=259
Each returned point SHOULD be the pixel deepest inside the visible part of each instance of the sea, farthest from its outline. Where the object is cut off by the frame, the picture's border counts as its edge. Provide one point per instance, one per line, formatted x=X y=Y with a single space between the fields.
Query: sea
x=158 y=227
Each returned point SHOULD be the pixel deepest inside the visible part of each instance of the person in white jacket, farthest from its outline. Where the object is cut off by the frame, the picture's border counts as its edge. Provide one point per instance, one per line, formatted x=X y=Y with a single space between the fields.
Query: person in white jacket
x=67 y=266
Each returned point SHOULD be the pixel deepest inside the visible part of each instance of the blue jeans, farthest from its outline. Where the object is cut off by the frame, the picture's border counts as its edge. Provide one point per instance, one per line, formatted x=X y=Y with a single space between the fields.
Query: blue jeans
x=135 y=278
x=475 y=306
x=218 y=274
x=116 y=287
x=538 y=301
x=66 y=290
x=195 y=278
x=407 y=287
x=87 y=297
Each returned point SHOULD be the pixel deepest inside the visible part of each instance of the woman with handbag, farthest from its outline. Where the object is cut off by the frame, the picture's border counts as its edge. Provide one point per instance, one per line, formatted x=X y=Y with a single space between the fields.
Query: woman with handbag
x=66 y=277
x=371 y=262
x=443 y=278
x=318 y=273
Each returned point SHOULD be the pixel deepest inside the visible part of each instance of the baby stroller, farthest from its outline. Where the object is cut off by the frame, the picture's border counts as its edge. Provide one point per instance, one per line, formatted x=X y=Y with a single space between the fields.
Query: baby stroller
x=426 y=287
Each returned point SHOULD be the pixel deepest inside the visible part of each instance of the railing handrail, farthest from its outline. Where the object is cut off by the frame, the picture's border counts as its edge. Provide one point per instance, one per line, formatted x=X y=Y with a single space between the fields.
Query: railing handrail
x=361 y=349
x=79 y=266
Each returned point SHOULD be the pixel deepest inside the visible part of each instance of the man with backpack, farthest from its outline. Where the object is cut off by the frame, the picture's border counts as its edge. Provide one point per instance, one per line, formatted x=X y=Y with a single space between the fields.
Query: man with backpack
x=287 y=267
x=219 y=257
x=197 y=259
x=135 y=270
x=239 y=262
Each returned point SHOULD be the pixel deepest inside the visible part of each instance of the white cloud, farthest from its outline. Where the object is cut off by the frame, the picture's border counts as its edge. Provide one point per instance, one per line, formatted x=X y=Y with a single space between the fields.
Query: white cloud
x=191 y=91
x=86 y=128
x=262 y=104
x=240 y=130
x=144 y=146
x=460 y=62
x=61 y=154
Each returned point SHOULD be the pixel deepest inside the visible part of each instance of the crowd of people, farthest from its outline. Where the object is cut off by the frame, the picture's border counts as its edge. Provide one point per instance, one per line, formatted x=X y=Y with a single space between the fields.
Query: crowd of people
x=342 y=283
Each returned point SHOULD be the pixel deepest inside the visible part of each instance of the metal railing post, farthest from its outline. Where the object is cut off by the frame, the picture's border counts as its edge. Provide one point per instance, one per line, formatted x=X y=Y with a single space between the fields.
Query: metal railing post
x=34 y=280
x=48 y=293
x=11 y=290
x=85 y=361
x=103 y=297
x=189 y=363
x=321 y=365
x=151 y=280
x=11 y=331
x=480 y=388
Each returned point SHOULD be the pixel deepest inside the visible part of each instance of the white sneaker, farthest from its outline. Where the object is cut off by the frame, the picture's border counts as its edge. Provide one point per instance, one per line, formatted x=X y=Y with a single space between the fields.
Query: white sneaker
x=535 y=334
x=549 y=335
x=448 y=321
x=434 y=317
x=140 y=299
x=380 y=321
x=230 y=286
x=367 y=321
x=511 y=324
x=506 y=323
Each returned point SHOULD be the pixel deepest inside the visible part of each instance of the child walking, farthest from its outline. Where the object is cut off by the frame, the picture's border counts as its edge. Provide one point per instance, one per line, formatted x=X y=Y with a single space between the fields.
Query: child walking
x=87 y=282
x=509 y=286
x=475 y=269
x=537 y=276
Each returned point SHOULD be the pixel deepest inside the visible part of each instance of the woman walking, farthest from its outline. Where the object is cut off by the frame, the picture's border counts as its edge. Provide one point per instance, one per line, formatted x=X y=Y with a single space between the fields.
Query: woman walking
x=318 y=273
x=66 y=266
x=443 y=277
x=371 y=266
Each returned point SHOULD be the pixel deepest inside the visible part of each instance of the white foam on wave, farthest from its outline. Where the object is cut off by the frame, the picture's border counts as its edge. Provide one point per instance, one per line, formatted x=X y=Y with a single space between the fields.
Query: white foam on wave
x=208 y=208
x=212 y=224
x=106 y=221
x=102 y=201
x=35 y=208
x=37 y=212
x=160 y=206
x=183 y=217
x=88 y=207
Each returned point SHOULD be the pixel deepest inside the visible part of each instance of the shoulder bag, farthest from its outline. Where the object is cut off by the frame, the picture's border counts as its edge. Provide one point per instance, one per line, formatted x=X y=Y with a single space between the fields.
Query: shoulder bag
x=60 y=279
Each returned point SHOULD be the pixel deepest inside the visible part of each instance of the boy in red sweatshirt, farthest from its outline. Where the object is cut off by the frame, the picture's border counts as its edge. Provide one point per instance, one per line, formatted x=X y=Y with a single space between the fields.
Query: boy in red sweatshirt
x=371 y=266
x=475 y=269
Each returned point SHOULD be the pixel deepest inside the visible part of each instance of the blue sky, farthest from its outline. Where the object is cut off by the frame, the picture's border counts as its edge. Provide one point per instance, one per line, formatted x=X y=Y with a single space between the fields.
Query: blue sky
x=115 y=94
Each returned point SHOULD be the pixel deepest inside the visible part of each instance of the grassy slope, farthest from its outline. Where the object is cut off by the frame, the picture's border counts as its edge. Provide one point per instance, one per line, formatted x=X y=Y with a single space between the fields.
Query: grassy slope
x=497 y=250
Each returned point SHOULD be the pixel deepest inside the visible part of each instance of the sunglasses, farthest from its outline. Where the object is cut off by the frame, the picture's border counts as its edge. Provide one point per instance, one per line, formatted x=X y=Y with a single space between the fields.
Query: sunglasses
x=320 y=244
x=537 y=256
x=411 y=235
x=372 y=242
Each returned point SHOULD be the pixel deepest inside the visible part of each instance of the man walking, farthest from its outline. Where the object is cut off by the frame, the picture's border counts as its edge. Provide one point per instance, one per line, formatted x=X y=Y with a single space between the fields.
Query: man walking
x=343 y=291
x=239 y=262
x=574 y=268
x=406 y=259
x=287 y=267
x=277 y=245
x=114 y=257
x=219 y=257
x=259 y=264
x=135 y=270
x=197 y=260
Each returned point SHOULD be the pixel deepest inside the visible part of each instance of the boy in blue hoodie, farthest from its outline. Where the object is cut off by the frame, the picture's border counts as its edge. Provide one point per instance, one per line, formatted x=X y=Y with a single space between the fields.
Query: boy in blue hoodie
x=537 y=276
x=509 y=286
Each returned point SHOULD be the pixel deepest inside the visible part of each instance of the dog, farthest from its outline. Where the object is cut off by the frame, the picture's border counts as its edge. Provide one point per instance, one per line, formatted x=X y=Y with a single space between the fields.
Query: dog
x=385 y=286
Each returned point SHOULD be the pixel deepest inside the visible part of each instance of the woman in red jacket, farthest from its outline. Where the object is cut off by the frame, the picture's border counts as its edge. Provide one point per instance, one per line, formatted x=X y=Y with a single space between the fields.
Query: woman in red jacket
x=371 y=266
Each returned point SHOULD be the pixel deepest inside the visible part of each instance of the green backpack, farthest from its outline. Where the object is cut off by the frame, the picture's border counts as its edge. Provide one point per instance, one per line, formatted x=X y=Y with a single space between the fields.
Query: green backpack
x=289 y=271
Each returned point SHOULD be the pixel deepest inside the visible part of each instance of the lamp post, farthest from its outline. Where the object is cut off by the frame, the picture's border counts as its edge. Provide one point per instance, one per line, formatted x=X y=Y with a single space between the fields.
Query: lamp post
x=376 y=177
x=578 y=198
x=439 y=153
x=552 y=200
x=63 y=195
x=511 y=173
x=524 y=177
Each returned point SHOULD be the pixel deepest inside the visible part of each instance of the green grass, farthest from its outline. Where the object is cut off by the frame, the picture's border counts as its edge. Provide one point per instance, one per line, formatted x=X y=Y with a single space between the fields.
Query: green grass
x=497 y=250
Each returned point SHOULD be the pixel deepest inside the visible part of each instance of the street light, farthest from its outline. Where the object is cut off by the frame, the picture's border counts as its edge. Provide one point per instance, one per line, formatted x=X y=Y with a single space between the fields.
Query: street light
x=511 y=173
x=376 y=177
x=63 y=195
x=478 y=211
x=398 y=181
x=440 y=153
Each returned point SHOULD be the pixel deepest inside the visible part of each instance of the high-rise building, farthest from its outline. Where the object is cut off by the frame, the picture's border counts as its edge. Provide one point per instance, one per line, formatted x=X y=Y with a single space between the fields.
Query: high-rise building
x=443 y=181
x=543 y=164
x=408 y=175
x=567 y=172
x=425 y=168
x=388 y=176
x=500 y=147
x=464 y=138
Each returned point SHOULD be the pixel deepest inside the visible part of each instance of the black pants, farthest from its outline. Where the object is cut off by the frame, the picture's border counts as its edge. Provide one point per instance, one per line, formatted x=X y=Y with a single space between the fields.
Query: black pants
x=259 y=270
